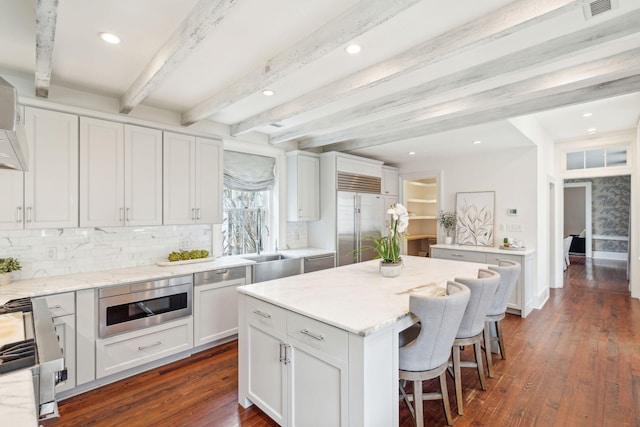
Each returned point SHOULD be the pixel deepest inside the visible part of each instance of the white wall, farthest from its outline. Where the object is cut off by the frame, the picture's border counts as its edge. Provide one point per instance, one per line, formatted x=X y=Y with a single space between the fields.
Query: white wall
x=574 y=210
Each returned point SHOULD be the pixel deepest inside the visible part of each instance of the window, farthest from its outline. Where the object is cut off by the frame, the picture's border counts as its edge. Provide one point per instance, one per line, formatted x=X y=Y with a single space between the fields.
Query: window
x=597 y=158
x=247 y=202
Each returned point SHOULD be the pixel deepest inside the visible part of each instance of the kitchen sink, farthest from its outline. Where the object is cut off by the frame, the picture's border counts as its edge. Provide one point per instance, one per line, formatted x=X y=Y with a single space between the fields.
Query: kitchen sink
x=274 y=266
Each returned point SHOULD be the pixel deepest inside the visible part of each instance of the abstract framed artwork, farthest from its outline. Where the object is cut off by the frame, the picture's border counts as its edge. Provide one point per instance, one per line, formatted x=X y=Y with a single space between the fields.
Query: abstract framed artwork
x=475 y=218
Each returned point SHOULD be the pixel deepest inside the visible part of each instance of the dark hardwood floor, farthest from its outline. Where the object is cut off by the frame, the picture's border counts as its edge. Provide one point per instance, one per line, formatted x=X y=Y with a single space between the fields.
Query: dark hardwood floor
x=576 y=362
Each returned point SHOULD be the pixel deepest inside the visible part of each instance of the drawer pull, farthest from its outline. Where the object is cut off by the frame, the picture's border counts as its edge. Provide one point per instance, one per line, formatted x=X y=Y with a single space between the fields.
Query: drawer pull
x=312 y=335
x=222 y=271
x=458 y=255
x=260 y=313
x=144 y=347
x=55 y=307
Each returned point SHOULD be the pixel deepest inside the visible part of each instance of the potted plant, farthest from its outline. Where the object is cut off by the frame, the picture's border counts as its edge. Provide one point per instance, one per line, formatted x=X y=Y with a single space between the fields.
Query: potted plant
x=7 y=265
x=387 y=248
x=447 y=220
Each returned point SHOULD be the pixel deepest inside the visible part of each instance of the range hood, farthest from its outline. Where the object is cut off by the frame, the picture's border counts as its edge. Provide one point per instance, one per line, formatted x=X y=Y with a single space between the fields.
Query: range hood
x=14 y=151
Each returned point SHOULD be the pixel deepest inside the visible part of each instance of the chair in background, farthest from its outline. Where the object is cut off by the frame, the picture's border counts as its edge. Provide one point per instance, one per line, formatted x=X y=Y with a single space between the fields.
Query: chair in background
x=471 y=331
x=427 y=353
x=567 y=246
x=509 y=273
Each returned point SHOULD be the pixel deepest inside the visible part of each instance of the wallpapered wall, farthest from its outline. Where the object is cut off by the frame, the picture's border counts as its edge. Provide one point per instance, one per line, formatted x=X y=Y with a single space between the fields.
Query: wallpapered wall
x=611 y=200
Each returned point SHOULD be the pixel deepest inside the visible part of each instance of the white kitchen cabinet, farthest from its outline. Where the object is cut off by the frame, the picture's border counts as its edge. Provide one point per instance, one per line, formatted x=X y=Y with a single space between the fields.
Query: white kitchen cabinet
x=121 y=174
x=45 y=196
x=298 y=367
x=12 y=206
x=390 y=181
x=131 y=349
x=62 y=309
x=192 y=180
x=215 y=304
x=303 y=182
x=521 y=301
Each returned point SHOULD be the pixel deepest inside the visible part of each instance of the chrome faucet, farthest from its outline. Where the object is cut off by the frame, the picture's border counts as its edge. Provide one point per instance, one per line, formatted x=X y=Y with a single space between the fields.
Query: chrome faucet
x=259 y=227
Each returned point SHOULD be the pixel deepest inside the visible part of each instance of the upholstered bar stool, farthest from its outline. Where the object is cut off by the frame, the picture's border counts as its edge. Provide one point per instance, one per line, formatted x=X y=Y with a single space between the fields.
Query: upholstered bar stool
x=509 y=272
x=426 y=355
x=471 y=328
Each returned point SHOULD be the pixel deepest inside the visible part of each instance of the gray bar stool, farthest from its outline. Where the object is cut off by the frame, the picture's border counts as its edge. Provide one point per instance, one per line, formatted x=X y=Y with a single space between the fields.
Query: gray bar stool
x=428 y=345
x=509 y=273
x=472 y=327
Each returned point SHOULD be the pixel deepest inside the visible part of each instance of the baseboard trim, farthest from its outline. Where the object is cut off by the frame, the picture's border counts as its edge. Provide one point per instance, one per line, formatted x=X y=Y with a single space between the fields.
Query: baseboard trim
x=621 y=256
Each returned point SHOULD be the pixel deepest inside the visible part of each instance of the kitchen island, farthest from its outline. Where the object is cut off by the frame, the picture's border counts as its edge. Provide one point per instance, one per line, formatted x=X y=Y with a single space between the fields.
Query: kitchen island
x=322 y=349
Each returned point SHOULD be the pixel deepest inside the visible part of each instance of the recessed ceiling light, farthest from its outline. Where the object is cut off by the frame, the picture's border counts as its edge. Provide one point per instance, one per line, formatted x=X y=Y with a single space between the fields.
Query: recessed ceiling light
x=587 y=114
x=268 y=92
x=412 y=153
x=477 y=141
x=353 y=49
x=110 y=38
x=591 y=131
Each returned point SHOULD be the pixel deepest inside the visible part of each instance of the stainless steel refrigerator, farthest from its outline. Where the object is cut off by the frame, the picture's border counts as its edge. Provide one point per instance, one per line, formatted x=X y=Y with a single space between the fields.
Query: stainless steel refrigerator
x=359 y=217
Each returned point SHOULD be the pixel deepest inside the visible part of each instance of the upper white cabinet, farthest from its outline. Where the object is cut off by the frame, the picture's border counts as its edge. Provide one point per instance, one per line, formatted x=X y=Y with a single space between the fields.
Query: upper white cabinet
x=192 y=180
x=303 y=182
x=389 y=181
x=46 y=196
x=121 y=174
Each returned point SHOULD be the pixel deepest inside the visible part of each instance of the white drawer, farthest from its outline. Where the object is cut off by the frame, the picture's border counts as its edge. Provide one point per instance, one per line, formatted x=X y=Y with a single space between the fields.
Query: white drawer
x=495 y=258
x=61 y=304
x=132 y=349
x=319 y=335
x=268 y=317
x=458 y=255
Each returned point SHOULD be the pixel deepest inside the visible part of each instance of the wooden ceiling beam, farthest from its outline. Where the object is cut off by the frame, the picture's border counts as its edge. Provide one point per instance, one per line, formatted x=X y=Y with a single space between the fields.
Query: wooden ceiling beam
x=204 y=16
x=357 y=20
x=562 y=47
x=552 y=90
x=515 y=16
x=46 y=17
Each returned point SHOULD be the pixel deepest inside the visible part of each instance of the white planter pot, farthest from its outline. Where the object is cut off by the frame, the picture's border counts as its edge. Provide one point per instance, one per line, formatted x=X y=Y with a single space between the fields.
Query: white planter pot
x=448 y=240
x=390 y=269
x=5 y=278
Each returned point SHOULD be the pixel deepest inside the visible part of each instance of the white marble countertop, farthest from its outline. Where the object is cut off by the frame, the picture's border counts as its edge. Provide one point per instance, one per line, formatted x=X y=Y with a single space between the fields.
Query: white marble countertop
x=487 y=249
x=356 y=297
x=97 y=279
x=17 y=402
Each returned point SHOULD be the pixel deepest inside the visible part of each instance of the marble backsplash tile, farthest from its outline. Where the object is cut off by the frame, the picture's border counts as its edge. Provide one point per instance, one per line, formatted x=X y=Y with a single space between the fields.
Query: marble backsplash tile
x=52 y=252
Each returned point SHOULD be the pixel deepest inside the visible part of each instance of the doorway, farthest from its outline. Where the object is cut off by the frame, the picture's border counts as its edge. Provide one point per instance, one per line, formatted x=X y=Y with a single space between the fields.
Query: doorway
x=578 y=217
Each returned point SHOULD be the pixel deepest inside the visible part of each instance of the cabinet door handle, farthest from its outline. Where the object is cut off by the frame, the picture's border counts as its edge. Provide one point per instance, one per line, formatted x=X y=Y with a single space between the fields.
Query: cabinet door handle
x=121 y=214
x=197 y=213
x=55 y=307
x=458 y=255
x=223 y=272
x=312 y=335
x=127 y=217
x=262 y=314
x=286 y=354
x=19 y=214
x=283 y=352
x=144 y=347
x=29 y=214
x=193 y=213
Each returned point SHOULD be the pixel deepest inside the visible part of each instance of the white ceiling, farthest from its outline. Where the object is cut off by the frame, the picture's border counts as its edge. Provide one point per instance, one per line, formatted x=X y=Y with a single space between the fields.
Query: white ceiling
x=423 y=82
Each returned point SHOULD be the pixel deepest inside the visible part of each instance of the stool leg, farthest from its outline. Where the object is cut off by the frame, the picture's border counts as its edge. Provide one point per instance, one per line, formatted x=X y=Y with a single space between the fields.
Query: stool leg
x=500 y=339
x=457 y=378
x=487 y=348
x=478 y=350
x=418 y=403
x=445 y=398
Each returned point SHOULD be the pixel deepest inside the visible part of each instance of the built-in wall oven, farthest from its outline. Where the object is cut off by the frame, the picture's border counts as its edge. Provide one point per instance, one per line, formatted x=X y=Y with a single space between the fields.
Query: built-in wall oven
x=125 y=308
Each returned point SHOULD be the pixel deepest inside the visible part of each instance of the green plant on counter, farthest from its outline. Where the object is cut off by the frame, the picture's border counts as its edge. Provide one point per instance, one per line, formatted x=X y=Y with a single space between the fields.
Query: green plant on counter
x=447 y=220
x=187 y=255
x=7 y=265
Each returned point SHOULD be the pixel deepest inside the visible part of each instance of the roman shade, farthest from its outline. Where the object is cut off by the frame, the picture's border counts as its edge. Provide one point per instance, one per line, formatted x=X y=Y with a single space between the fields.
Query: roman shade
x=248 y=172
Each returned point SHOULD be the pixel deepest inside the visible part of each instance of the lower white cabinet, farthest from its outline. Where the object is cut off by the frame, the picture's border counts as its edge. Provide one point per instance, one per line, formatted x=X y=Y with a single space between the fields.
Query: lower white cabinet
x=521 y=301
x=131 y=349
x=215 y=304
x=297 y=367
x=62 y=309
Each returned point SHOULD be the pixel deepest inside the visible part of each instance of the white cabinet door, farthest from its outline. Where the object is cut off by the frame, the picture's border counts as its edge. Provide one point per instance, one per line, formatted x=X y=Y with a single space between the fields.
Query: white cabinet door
x=215 y=310
x=65 y=327
x=318 y=388
x=142 y=176
x=51 y=183
x=389 y=181
x=208 y=184
x=179 y=179
x=12 y=206
x=101 y=173
x=303 y=182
